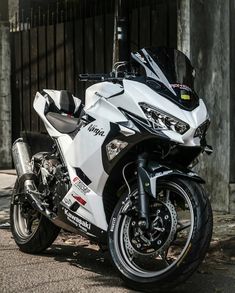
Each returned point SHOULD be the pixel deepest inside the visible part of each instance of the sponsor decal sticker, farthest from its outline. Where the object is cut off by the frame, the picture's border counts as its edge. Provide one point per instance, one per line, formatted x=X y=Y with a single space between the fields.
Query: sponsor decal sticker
x=78 y=222
x=79 y=199
x=181 y=86
x=67 y=201
x=185 y=97
x=81 y=185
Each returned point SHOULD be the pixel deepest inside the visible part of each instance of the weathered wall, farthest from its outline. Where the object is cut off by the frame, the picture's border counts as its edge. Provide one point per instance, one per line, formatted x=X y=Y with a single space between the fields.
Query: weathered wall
x=5 y=96
x=232 y=107
x=183 y=26
x=209 y=28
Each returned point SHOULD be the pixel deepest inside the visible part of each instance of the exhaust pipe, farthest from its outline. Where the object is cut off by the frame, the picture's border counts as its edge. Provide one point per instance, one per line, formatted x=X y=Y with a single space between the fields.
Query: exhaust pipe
x=22 y=161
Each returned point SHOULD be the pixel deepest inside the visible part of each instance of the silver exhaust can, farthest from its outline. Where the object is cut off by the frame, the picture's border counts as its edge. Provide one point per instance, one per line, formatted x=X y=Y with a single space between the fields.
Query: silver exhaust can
x=22 y=160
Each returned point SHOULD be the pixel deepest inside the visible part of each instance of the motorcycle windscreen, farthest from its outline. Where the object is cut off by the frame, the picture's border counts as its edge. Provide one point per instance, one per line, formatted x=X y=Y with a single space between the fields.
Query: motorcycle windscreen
x=174 y=65
x=170 y=73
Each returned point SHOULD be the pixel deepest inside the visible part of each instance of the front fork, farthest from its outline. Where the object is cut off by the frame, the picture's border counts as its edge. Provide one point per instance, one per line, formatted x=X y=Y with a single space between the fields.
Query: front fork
x=143 y=198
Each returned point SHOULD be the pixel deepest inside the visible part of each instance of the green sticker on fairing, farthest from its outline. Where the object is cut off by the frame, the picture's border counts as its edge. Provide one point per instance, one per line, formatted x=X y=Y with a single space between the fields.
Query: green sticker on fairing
x=185 y=97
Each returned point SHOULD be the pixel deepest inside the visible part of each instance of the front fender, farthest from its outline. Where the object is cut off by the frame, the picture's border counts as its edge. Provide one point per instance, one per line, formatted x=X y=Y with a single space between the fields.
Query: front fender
x=150 y=179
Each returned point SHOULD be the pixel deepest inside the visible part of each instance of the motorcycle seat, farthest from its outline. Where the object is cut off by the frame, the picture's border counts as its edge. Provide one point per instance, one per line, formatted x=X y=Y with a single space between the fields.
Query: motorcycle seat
x=62 y=102
x=64 y=124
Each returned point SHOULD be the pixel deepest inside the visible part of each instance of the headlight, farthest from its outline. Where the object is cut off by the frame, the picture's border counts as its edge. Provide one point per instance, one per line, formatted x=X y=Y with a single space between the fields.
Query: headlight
x=162 y=120
x=202 y=129
x=114 y=147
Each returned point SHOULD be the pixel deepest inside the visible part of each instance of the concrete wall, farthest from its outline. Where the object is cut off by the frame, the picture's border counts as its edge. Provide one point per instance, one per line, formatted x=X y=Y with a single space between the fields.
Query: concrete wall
x=183 y=29
x=5 y=96
x=209 y=31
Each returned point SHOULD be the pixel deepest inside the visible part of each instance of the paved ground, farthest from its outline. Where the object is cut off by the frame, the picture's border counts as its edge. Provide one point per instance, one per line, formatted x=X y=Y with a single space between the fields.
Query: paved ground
x=67 y=267
x=72 y=264
x=7 y=181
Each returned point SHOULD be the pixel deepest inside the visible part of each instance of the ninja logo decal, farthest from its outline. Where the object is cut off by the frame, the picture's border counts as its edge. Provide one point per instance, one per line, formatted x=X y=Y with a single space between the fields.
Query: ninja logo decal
x=96 y=131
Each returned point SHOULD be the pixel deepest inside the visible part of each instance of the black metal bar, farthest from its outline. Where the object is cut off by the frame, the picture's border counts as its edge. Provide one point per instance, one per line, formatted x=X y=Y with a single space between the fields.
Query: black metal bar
x=104 y=19
x=44 y=19
x=168 y=22
x=21 y=21
x=138 y=7
x=39 y=16
x=150 y=21
x=93 y=41
x=64 y=48
x=46 y=45
x=74 y=55
x=54 y=28
x=66 y=12
x=27 y=24
x=31 y=18
x=48 y=14
x=57 y=12
x=123 y=30
x=16 y=21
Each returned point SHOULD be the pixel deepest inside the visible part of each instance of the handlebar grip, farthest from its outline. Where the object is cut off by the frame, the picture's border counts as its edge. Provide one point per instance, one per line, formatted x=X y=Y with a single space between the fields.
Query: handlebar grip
x=92 y=77
x=98 y=77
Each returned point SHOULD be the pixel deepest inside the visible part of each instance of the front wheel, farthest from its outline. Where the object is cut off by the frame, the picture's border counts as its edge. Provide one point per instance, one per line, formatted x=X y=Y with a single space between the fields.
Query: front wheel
x=175 y=243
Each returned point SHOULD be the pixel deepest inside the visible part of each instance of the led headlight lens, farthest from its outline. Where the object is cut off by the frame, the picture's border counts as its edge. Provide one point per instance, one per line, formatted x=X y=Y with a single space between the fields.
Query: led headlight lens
x=114 y=147
x=162 y=120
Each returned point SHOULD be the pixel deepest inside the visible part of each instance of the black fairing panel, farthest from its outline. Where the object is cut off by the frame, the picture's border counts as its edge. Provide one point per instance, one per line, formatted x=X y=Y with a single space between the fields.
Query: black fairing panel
x=189 y=104
x=67 y=104
x=145 y=134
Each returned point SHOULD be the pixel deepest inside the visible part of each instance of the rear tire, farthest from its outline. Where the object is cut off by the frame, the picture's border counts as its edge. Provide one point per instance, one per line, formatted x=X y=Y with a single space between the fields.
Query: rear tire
x=30 y=240
x=157 y=277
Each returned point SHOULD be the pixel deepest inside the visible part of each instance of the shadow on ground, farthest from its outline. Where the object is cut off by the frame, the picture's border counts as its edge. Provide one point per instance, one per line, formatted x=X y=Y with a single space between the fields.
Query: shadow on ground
x=89 y=259
x=210 y=277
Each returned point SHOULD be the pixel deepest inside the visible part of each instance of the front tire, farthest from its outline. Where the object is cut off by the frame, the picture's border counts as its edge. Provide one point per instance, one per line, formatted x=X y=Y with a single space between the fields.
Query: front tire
x=175 y=245
x=32 y=231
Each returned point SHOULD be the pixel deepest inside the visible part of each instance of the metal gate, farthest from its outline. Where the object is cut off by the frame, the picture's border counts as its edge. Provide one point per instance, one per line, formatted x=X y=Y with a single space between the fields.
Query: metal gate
x=50 y=48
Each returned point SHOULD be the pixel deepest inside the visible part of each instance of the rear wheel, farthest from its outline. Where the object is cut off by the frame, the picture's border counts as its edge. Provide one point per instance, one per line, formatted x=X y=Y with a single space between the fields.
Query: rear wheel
x=32 y=231
x=174 y=245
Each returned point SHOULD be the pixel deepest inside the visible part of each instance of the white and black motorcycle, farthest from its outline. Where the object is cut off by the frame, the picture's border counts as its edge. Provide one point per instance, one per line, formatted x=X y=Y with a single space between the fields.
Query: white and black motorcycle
x=119 y=170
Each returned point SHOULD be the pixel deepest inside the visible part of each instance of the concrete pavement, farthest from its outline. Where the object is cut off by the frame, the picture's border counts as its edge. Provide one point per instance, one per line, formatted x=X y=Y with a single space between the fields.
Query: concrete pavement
x=73 y=265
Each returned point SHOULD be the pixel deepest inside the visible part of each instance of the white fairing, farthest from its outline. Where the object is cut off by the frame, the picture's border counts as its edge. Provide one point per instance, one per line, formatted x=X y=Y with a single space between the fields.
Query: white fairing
x=84 y=150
